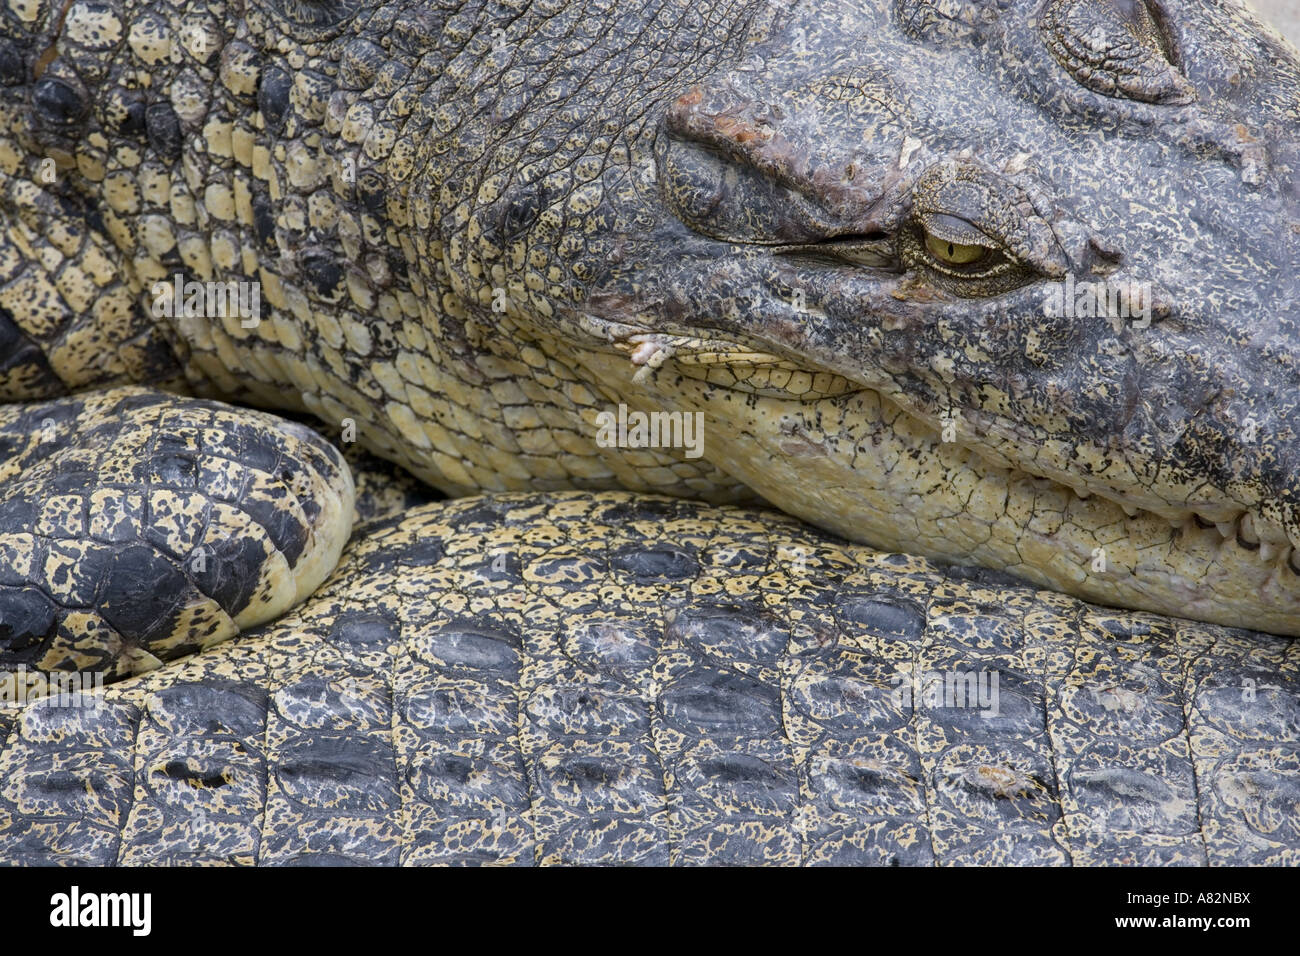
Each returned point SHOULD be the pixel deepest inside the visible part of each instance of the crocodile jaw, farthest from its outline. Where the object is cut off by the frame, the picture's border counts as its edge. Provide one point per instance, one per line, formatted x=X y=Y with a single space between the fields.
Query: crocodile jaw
x=858 y=465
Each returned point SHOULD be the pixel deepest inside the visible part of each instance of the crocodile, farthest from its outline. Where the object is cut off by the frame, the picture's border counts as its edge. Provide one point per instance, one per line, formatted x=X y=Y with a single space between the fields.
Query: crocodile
x=997 y=283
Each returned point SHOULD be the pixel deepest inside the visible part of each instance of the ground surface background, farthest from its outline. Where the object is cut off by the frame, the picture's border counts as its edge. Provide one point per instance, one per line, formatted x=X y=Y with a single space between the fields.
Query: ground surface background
x=1283 y=14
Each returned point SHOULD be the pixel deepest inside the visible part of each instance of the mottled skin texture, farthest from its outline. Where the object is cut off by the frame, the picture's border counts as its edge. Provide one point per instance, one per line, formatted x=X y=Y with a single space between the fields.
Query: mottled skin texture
x=136 y=528
x=605 y=678
x=734 y=221
x=477 y=225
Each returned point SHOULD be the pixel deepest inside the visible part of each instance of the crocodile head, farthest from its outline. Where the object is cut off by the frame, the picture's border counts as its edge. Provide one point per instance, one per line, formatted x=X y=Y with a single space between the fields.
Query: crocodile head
x=1014 y=282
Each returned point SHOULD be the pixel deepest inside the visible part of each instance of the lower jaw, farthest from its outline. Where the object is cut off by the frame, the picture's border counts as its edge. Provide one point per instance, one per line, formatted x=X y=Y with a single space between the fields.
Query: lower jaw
x=858 y=466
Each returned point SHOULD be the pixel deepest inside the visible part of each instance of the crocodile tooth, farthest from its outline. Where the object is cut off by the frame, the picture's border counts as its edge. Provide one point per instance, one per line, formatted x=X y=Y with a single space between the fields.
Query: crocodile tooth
x=1246 y=536
x=1268 y=550
x=1227 y=529
x=1129 y=510
x=1270 y=531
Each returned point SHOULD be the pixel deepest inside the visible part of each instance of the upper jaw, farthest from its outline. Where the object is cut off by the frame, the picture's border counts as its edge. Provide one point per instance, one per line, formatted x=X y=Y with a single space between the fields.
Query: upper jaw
x=1200 y=432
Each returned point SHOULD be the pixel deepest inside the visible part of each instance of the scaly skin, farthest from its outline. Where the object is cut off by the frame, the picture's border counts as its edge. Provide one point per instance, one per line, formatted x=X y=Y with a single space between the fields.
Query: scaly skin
x=136 y=527
x=728 y=207
x=613 y=678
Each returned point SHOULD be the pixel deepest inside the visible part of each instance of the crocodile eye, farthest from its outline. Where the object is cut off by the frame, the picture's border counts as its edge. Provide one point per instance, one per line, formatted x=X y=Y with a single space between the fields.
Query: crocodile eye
x=973 y=233
x=954 y=253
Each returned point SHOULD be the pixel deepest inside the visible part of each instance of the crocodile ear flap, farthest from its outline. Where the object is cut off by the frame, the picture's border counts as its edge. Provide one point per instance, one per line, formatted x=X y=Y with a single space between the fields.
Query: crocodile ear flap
x=1118 y=48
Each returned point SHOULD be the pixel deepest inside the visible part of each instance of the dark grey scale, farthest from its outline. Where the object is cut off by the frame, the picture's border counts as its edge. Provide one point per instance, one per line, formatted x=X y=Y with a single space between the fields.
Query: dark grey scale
x=1125 y=697
x=1251 y=797
x=59 y=98
x=597 y=800
x=140 y=592
x=713 y=702
x=1157 y=795
x=1248 y=700
x=1021 y=703
x=29 y=619
x=78 y=787
x=273 y=90
x=879 y=615
x=620 y=648
x=470 y=646
x=997 y=784
x=454 y=788
x=336 y=773
x=229 y=572
x=845 y=692
x=501 y=565
x=870 y=802
x=230 y=708
x=23 y=361
x=334 y=760
x=598 y=784
x=466 y=768
x=365 y=629
x=736 y=804
x=660 y=563
x=12 y=69
x=163 y=130
x=731 y=632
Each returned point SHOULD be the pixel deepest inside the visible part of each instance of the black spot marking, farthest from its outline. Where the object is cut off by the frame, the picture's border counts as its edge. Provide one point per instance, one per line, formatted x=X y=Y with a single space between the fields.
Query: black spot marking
x=58 y=101
x=322 y=270
x=273 y=97
x=180 y=770
x=163 y=128
x=264 y=219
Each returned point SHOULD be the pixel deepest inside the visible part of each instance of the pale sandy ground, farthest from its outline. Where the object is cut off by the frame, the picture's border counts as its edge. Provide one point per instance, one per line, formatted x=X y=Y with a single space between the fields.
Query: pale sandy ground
x=1283 y=14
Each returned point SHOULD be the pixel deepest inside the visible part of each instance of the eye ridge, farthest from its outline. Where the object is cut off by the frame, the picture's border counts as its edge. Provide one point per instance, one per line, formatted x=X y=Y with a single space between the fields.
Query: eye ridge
x=314 y=14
